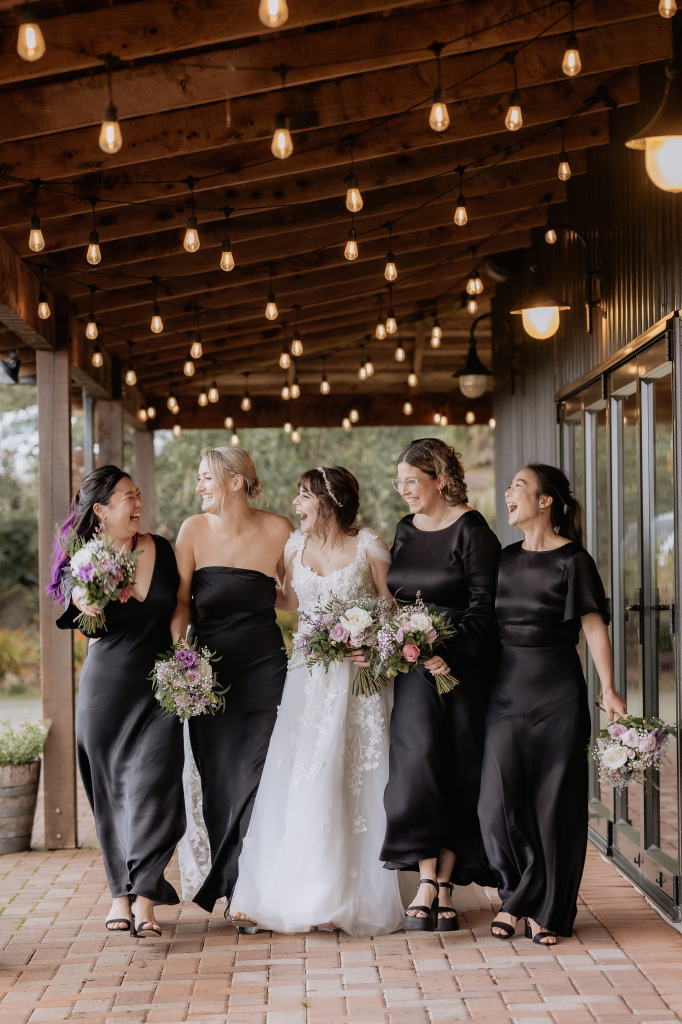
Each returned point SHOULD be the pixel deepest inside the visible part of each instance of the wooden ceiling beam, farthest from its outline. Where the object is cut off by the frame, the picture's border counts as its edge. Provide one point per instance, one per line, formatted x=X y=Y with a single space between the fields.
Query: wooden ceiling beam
x=19 y=292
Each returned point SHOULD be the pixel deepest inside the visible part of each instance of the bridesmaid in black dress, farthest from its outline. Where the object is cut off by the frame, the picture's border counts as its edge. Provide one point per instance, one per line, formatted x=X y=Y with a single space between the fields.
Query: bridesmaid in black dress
x=130 y=756
x=229 y=560
x=533 y=804
x=446 y=550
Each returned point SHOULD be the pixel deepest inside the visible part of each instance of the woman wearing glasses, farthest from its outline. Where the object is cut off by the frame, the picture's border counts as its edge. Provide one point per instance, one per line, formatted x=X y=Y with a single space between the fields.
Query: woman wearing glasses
x=445 y=549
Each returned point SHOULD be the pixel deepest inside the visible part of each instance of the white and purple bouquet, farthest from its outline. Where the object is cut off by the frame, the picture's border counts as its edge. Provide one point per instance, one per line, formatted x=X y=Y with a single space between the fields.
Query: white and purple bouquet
x=629 y=747
x=185 y=684
x=410 y=637
x=331 y=631
x=104 y=572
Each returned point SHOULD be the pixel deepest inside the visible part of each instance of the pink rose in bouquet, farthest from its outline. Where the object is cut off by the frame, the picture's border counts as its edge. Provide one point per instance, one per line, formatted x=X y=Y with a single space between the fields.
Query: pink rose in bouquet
x=339 y=633
x=411 y=652
x=125 y=594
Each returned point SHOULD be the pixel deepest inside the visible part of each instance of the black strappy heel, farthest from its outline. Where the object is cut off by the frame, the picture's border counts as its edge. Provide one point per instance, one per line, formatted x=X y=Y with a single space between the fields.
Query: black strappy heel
x=242 y=924
x=506 y=928
x=447 y=924
x=120 y=920
x=537 y=938
x=428 y=923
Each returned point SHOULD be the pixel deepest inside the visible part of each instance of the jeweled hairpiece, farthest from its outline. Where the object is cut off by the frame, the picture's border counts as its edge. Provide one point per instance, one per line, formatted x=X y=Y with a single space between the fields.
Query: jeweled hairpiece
x=320 y=469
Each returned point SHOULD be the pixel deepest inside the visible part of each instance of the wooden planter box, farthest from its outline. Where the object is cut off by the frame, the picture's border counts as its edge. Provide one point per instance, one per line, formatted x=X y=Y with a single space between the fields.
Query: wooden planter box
x=18 y=796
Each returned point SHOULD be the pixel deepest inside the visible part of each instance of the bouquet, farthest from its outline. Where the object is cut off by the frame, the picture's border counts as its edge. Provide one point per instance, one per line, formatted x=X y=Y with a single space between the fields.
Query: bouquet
x=105 y=572
x=328 y=634
x=184 y=682
x=409 y=638
x=629 y=747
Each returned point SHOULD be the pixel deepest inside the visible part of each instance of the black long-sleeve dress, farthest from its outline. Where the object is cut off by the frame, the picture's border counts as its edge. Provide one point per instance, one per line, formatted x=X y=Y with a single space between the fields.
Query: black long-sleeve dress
x=533 y=804
x=437 y=741
x=234 y=615
x=130 y=757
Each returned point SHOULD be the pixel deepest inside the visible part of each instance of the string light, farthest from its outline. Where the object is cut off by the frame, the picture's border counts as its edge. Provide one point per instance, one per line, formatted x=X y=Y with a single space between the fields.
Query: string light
x=369 y=365
x=351 y=250
x=97 y=357
x=156 y=325
x=227 y=259
x=571 y=65
x=472 y=306
x=189 y=368
x=564 y=171
x=439 y=119
x=346 y=424
x=142 y=415
x=91 y=331
x=470 y=418
x=282 y=146
x=362 y=372
x=295 y=388
x=514 y=119
x=285 y=358
x=391 y=322
x=171 y=402
x=203 y=399
x=234 y=440
x=213 y=394
x=412 y=379
x=354 y=200
x=296 y=343
x=151 y=412
x=390 y=271
x=246 y=400
x=285 y=393
x=94 y=255
x=131 y=376
x=436 y=417
x=288 y=427
x=191 y=241
x=666 y=9
x=461 y=210
x=436 y=334
x=197 y=349
x=295 y=436
x=491 y=422
x=273 y=13
x=407 y=408
x=177 y=429
x=110 y=138
x=36 y=242
x=474 y=284
x=354 y=415
x=43 y=305
x=229 y=423
x=325 y=386
x=399 y=353
x=271 y=311
x=30 y=42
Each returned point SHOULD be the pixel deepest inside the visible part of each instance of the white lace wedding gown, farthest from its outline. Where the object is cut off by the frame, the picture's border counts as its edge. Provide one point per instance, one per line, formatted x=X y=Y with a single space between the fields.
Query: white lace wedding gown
x=311 y=854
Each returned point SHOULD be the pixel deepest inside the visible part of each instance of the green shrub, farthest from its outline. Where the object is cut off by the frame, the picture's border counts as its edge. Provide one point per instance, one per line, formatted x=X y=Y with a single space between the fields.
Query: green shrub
x=22 y=743
x=18 y=652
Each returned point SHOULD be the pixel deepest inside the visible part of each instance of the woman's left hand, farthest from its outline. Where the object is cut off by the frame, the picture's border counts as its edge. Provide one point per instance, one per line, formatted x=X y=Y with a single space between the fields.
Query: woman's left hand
x=358 y=659
x=437 y=667
x=614 y=705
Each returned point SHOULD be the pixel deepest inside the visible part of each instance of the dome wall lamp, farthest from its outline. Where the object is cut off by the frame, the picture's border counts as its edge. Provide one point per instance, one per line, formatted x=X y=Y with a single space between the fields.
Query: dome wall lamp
x=540 y=308
x=473 y=377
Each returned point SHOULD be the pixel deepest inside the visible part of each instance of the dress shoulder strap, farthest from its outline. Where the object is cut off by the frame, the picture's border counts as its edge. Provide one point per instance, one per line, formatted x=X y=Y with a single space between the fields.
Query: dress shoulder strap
x=370 y=543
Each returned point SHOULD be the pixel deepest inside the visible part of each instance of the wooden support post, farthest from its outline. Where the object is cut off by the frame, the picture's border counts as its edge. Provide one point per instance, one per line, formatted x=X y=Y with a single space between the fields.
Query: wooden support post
x=110 y=432
x=88 y=433
x=56 y=646
x=144 y=478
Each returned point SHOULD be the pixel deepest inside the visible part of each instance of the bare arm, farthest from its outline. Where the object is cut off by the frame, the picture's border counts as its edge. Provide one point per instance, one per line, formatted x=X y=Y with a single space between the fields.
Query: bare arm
x=287 y=600
x=597 y=637
x=184 y=556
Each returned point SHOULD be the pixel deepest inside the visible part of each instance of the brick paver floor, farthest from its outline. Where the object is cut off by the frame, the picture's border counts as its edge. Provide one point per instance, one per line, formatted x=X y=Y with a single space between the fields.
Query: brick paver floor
x=623 y=964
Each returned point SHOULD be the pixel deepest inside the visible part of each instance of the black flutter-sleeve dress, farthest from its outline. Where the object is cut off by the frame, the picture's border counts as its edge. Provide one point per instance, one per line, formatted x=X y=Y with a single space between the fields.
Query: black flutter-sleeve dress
x=130 y=757
x=437 y=741
x=534 y=790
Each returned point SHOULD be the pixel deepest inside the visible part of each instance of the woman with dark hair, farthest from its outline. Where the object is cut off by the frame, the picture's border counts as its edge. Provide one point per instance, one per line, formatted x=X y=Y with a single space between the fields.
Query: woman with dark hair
x=130 y=756
x=445 y=550
x=311 y=855
x=533 y=804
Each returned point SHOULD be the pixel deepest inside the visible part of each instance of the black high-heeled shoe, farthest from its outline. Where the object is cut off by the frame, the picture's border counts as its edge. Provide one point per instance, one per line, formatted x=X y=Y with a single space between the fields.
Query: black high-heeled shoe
x=508 y=929
x=242 y=924
x=539 y=936
x=428 y=923
x=447 y=924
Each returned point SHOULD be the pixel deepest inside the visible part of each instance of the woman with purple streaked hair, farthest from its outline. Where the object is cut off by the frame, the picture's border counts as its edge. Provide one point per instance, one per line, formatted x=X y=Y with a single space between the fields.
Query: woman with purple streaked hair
x=130 y=756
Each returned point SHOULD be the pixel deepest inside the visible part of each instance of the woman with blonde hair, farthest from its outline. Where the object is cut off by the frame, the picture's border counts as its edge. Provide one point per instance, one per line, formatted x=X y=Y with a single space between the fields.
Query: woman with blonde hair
x=229 y=560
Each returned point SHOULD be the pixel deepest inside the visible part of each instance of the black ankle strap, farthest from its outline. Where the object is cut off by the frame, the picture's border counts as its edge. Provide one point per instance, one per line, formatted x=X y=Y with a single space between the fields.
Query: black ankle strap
x=427 y=881
x=447 y=885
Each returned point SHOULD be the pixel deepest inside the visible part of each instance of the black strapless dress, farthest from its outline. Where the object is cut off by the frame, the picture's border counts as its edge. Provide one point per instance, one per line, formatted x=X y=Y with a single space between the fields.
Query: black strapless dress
x=437 y=741
x=534 y=790
x=130 y=756
x=234 y=615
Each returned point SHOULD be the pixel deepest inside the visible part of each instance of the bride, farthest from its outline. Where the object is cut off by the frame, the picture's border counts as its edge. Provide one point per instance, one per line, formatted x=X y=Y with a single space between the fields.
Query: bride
x=311 y=854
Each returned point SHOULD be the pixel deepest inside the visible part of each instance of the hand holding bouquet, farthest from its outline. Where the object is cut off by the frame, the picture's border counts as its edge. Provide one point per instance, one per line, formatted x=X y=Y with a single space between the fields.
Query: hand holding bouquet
x=409 y=638
x=185 y=684
x=328 y=634
x=629 y=747
x=103 y=572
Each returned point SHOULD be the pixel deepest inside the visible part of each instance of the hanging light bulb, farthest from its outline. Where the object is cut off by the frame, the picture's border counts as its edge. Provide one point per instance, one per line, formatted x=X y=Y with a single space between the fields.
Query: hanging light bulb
x=157 y=322
x=474 y=284
x=369 y=366
x=564 y=167
x=131 y=377
x=234 y=440
x=285 y=392
x=550 y=236
x=282 y=146
x=540 y=308
x=473 y=377
x=354 y=415
x=351 y=250
x=177 y=430
x=390 y=272
x=273 y=13
x=151 y=412
x=443 y=421
x=271 y=307
x=439 y=119
x=94 y=255
x=407 y=408
x=346 y=424
x=412 y=379
x=43 y=306
x=285 y=358
x=203 y=399
x=571 y=64
x=491 y=422
x=229 y=423
x=97 y=357
x=325 y=386
x=436 y=334
x=380 y=330
x=188 y=368
x=295 y=389
x=461 y=211
x=213 y=394
x=514 y=119
x=227 y=259
x=391 y=323
x=171 y=403
x=30 y=42
x=288 y=427
x=472 y=306
x=191 y=242
x=436 y=417
x=110 y=139
x=245 y=402
x=197 y=349
x=362 y=372
x=91 y=331
x=295 y=436
x=296 y=344
x=666 y=9
x=142 y=415
x=354 y=201
x=399 y=353
x=36 y=242
x=470 y=418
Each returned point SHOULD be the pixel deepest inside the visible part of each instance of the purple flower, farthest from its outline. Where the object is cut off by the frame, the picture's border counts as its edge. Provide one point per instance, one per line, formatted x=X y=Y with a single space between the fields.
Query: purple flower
x=85 y=572
x=339 y=634
x=325 y=620
x=617 y=731
x=188 y=659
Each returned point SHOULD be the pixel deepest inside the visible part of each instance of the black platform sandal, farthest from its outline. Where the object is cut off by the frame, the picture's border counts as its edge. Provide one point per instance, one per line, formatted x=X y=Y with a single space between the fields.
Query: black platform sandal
x=539 y=936
x=508 y=929
x=447 y=924
x=428 y=923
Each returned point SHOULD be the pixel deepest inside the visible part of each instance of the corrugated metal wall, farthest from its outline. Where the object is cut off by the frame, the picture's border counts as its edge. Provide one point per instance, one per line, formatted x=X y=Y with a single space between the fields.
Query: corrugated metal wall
x=635 y=233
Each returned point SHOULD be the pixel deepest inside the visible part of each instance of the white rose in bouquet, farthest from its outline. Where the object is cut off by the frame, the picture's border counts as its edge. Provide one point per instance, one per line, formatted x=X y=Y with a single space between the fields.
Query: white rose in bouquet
x=81 y=558
x=421 y=621
x=356 y=621
x=614 y=757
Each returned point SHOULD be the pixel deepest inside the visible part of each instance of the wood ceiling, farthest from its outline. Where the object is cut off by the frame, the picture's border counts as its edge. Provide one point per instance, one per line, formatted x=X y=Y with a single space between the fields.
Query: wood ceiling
x=198 y=86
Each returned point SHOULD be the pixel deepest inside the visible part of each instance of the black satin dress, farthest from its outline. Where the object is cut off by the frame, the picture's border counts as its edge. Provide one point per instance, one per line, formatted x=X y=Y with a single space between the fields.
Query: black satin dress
x=234 y=615
x=130 y=757
x=437 y=741
x=534 y=791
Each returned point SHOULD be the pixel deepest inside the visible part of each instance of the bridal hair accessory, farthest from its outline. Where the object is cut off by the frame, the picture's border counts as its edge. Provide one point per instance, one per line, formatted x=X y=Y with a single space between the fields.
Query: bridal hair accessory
x=320 y=469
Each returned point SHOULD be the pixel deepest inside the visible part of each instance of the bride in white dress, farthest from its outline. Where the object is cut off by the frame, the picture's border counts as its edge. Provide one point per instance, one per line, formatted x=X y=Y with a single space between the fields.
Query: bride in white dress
x=311 y=854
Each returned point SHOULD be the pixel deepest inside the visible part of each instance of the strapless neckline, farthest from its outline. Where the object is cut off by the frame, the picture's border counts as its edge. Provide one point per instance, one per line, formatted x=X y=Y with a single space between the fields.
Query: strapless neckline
x=232 y=568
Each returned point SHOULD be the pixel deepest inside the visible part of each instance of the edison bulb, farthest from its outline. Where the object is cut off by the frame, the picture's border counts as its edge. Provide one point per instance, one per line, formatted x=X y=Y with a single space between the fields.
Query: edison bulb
x=663 y=161
x=351 y=250
x=571 y=65
x=282 y=146
x=97 y=357
x=284 y=359
x=391 y=323
x=246 y=402
x=226 y=260
x=94 y=255
x=470 y=418
x=213 y=395
x=542 y=322
x=229 y=423
x=271 y=308
x=295 y=389
x=295 y=436
x=110 y=138
x=273 y=13
x=491 y=422
x=412 y=379
x=203 y=399
x=474 y=285
x=30 y=42
x=362 y=372
x=151 y=412
x=177 y=430
x=354 y=200
x=435 y=341
x=407 y=408
x=550 y=236
x=131 y=377
x=472 y=307
x=188 y=368
x=399 y=354
x=390 y=272
x=325 y=386
x=196 y=350
x=171 y=404
x=436 y=417
x=436 y=335
x=157 y=322
x=564 y=171
x=380 y=330
x=142 y=415
x=346 y=423
x=191 y=242
x=234 y=440
x=439 y=119
x=36 y=242
x=288 y=427
x=296 y=344
x=666 y=9
x=461 y=212
x=285 y=393
x=369 y=368
x=354 y=415
x=514 y=119
x=43 y=307
x=91 y=331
